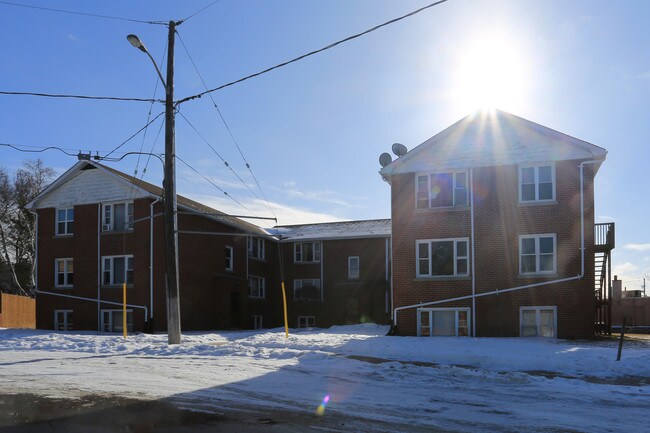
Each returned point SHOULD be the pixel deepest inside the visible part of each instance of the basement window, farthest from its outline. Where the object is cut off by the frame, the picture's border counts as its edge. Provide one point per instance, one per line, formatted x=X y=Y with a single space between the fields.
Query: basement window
x=443 y=322
x=538 y=322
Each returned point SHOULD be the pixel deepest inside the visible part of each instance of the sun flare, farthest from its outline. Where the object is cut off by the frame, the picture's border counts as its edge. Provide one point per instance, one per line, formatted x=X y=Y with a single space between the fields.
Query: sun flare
x=490 y=73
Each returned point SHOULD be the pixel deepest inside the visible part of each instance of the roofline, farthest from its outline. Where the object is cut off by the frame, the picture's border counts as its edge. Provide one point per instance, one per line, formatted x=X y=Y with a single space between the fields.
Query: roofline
x=334 y=238
x=333 y=222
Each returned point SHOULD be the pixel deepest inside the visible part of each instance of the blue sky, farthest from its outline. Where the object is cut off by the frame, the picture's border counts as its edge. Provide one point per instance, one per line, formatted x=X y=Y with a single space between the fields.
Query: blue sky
x=312 y=131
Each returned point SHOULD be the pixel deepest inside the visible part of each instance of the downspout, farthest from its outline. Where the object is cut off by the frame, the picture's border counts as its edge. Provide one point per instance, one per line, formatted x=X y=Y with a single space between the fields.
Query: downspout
x=99 y=266
x=322 y=259
x=98 y=301
x=528 y=286
x=471 y=198
x=151 y=257
x=35 y=272
x=388 y=278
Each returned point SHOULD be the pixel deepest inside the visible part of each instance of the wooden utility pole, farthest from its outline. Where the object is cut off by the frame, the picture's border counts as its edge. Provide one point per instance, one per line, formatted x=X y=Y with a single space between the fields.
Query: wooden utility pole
x=170 y=206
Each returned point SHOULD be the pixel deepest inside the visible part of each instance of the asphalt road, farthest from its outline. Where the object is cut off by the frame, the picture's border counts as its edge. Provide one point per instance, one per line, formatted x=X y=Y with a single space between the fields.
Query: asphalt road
x=28 y=413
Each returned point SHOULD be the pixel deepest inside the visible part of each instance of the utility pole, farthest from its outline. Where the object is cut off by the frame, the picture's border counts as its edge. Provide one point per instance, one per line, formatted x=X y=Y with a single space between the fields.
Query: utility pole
x=170 y=214
x=170 y=205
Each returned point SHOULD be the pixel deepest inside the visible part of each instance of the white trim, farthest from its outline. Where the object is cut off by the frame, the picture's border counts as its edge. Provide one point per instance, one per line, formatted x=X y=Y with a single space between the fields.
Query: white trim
x=317 y=250
x=351 y=268
x=538 y=254
x=315 y=282
x=108 y=225
x=538 y=310
x=429 y=257
x=453 y=174
x=261 y=287
x=306 y=320
x=456 y=310
x=112 y=282
x=112 y=323
x=66 y=284
x=66 y=221
x=536 y=182
x=66 y=322
x=230 y=249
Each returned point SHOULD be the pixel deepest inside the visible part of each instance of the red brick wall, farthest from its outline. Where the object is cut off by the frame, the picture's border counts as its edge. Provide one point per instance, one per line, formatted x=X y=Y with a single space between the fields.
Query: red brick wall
x=345 y=301
x=499 y=220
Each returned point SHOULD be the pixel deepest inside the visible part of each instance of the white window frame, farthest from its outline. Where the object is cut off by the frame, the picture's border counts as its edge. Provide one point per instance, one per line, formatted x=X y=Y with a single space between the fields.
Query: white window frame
x=354 y=271
x=456 y=320
x=538 y=254
x=66 y=262
x=298 y=254
x=455 y=242
x=111 y=325
x=108 y=216
x=298 y=284
x=257 y=321
x=230 y=258
x=538 y=310
x=536 y=182
x=261 y=287
x=454 y=188
x=255 y=248
x=306 y=322
x=68 y=325
x=112 y=270
x=68 y=223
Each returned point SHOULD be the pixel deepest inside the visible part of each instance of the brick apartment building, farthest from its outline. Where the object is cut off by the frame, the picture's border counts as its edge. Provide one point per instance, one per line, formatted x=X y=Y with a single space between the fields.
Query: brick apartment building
x=489 y=220
x=337 y=273
x=98 y=228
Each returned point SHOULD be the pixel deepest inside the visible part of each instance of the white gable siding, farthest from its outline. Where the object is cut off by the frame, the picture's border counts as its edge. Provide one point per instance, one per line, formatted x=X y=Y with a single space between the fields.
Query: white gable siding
x=90 y=186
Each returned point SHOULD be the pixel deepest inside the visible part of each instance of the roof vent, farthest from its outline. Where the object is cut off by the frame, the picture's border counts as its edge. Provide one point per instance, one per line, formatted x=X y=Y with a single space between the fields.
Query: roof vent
x=385 y=159
x=399 y=149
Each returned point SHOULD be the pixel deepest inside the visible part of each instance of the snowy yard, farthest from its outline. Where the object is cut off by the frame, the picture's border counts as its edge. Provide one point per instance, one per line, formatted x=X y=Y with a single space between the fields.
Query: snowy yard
x=399 y=383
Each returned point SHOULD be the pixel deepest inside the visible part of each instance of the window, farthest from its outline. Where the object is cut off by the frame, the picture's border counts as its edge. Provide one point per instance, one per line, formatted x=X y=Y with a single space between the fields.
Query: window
x=305 y=252
x=538 y=322
x=441 y=190
x=256 y=287
x=353 y=267
x=229 y=259
x=117 y=216
x=63 y=320
x=113 y=320
x=307 y=290
x=256 y=248
x=443 y=322
x=63 y=273
x=306 y=321
x=65 y=221
x=256 y=322
x=117 y=270
x=537 y=183
x=442 y=257
x=537 y=254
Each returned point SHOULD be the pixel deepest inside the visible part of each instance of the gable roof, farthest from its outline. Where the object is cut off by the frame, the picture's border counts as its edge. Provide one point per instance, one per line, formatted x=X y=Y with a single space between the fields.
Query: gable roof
x=146 y=189
x=335 y=230
x=489 y=138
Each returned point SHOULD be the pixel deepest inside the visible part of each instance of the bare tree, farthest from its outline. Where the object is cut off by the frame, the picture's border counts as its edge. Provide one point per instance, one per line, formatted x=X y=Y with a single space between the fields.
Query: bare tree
x=17 y=224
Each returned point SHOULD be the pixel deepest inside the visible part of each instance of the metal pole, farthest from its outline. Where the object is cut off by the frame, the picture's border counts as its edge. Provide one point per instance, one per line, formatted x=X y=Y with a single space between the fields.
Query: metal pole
x=170 y=217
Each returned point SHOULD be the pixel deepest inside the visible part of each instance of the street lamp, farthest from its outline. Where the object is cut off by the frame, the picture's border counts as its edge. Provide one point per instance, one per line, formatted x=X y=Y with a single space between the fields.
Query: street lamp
x=169 y=187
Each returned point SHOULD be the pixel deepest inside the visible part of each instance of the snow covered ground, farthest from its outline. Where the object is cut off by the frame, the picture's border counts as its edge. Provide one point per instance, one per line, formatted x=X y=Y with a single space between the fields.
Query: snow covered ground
x=457 y=384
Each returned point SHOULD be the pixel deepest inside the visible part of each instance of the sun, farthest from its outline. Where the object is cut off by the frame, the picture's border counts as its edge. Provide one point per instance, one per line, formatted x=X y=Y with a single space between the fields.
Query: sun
x=490 y=72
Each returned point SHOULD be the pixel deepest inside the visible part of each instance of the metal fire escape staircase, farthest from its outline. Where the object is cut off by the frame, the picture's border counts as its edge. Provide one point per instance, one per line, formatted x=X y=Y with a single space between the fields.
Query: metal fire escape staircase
x=605 y=241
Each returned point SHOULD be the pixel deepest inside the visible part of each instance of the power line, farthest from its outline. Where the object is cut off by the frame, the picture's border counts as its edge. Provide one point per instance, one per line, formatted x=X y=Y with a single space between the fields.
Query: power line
x=214 y=103
x=135 y=134
x=101 y=98
x=215 y=185
x=311 y=53
x=63 y=11
x=37 y=150
x=199 y=11
x=144 y=170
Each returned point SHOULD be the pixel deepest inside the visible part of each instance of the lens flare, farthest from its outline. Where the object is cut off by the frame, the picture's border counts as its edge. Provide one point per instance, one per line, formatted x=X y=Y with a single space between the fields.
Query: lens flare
x=320 y=410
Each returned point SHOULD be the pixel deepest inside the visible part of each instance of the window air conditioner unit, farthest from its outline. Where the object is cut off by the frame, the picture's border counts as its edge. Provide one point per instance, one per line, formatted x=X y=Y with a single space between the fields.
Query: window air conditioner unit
x=106 y=227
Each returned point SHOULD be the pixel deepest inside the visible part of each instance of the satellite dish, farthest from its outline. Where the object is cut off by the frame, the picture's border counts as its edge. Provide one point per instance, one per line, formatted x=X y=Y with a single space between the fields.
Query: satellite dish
x=385 y=159
x=399 y=149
